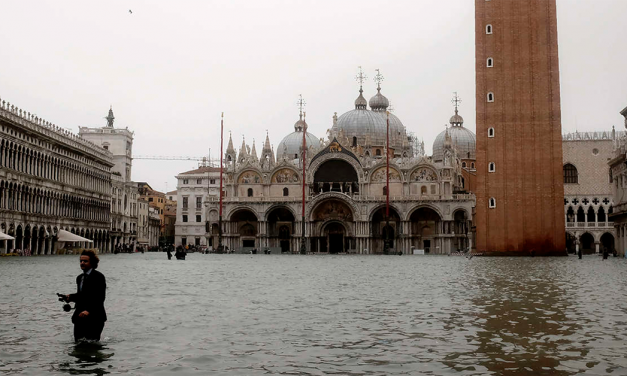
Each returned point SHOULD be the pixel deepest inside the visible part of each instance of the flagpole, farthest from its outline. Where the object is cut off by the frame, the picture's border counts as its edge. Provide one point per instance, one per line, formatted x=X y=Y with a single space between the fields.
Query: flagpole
x=386 y=245
x=303 y=246
x=221 y=156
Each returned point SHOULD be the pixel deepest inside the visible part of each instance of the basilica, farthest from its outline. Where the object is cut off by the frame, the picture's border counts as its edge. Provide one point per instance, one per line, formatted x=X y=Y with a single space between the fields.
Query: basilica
x=430 y=204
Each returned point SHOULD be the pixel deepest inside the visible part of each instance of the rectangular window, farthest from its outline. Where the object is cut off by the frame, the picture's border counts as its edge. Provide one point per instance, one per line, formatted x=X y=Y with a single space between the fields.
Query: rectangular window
x=197 y=241
x=198 y=181
x=185 y=199
x=185 y=181
x=198 y=202
x=183 y=242
x=150 y=199
x=212 y=181
x=197 y=218
x=184 y=218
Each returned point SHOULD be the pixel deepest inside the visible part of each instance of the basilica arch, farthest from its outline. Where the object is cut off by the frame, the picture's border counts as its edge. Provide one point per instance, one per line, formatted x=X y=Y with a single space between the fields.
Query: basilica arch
x=244 y=227
x=332 y=222
x=336 y=175
x=281 y=223
x=380 y=229
x=425 y=228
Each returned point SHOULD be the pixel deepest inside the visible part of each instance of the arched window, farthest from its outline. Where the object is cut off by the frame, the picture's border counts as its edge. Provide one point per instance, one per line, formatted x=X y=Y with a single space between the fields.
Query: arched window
x=492 y=203
x=491 y=167
x=472 y=165
x=490 y=63
x=286 y=192
x=490 y=132
x=570 y=174
x=250 y=192
x=464 y=164
x=423 y=190
x=354 y=141
x=488 y=29
x=490 y=97
x=385 y=191
x=378 y=152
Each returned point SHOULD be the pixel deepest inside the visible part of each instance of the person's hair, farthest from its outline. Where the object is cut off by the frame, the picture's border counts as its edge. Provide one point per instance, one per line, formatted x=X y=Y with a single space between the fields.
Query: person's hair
x=93 y=258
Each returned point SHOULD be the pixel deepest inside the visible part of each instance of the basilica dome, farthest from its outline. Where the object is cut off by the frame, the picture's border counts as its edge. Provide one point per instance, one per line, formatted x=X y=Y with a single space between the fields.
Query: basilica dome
x=463 y=140
x=359 y=124
x=292 y=143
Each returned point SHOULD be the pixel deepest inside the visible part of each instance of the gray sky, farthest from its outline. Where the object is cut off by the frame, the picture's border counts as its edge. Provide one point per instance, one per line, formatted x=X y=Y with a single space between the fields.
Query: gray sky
x=170 y=68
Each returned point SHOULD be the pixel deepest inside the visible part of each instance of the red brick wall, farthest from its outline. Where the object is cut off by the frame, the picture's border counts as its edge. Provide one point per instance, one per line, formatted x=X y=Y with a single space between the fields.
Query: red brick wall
x=527 y=147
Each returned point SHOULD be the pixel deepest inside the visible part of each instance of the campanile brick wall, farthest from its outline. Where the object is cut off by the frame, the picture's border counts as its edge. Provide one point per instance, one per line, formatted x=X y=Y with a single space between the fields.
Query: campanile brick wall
x=527 y=144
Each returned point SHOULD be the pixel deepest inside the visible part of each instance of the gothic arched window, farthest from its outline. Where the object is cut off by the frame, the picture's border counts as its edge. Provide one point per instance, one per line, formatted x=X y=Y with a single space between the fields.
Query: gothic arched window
x=286 y=192
x=570 y=174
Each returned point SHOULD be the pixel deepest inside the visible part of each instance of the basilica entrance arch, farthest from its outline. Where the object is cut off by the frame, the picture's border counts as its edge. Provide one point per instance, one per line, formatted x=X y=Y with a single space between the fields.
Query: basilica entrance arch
x=244 y=223
x=331 y=223
x=425 y=226
x=280 y=228
x=335 y=236
x=380 y=229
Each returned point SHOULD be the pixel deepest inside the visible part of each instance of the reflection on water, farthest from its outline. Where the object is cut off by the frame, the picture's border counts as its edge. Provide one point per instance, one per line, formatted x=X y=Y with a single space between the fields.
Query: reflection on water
x=313 y=315
x=89 y=359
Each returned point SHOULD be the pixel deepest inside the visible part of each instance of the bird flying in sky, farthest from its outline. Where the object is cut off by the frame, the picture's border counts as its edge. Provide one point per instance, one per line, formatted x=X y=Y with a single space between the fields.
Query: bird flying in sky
x=130 y=11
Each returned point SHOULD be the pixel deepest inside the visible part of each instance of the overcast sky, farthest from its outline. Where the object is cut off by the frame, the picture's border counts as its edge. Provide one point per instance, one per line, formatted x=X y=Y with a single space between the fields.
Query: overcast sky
x=170 y=68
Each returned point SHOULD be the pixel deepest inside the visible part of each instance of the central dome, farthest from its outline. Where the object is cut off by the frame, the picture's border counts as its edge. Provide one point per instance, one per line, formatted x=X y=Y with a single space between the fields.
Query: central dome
x=368 y=128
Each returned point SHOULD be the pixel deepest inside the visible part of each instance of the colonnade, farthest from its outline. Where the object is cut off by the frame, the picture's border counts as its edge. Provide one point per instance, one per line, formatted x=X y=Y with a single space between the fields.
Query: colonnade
x=31 y=162
x=24 y=199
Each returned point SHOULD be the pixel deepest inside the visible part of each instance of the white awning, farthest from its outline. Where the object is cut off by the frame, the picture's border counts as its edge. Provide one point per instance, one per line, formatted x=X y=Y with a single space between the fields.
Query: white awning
x=4 y=236
x=66 y=236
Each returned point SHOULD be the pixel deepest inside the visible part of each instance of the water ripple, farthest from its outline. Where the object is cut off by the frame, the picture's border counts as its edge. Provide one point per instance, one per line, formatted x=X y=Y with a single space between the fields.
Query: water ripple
x=337 y=315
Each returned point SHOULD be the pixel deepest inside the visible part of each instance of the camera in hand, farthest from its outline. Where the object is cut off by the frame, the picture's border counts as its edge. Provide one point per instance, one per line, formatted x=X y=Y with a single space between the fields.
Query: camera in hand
x=66 y=307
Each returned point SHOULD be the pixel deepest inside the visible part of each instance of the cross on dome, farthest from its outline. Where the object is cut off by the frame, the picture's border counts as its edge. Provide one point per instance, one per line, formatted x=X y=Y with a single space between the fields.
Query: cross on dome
x=378 y=78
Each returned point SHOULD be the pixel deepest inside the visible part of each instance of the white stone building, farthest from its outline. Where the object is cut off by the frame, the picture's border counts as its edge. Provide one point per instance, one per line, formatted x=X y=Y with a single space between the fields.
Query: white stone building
x=618 y=174
x=193 y=189
x=588 y=198
x=119 y=142
x=50 y=179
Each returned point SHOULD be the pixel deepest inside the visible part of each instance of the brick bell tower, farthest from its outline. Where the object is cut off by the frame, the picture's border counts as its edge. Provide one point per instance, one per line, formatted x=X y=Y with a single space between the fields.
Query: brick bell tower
x=520 y=188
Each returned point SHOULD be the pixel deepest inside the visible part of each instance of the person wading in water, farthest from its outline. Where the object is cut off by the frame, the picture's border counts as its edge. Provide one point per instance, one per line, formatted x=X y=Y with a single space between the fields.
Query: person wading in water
x=89 y=315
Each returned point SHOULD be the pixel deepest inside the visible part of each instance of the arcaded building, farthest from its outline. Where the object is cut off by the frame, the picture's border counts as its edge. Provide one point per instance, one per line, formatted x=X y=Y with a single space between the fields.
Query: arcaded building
x=519 y=183
x=588 y=196
x=345 y=189
x=50 y=179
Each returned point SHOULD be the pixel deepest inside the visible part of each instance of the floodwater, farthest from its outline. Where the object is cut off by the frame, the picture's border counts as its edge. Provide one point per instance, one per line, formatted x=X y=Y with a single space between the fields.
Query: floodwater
x=322 y=315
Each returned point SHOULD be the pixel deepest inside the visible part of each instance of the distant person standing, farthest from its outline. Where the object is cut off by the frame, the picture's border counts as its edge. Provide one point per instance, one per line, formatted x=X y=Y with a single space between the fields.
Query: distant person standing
x=169 y=253
x=89 y=315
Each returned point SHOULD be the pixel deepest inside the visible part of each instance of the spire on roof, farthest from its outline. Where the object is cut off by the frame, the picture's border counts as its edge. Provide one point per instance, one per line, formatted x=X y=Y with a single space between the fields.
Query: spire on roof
x=243 y=153
x=253 y=152
x=230 y=148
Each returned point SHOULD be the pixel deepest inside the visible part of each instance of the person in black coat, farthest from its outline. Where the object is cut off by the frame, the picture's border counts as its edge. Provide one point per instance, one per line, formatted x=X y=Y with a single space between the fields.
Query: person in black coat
x=89 y=314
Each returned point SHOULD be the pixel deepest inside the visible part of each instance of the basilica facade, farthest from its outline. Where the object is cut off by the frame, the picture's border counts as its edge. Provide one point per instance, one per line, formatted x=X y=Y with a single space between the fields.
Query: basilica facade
x=345 y=190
